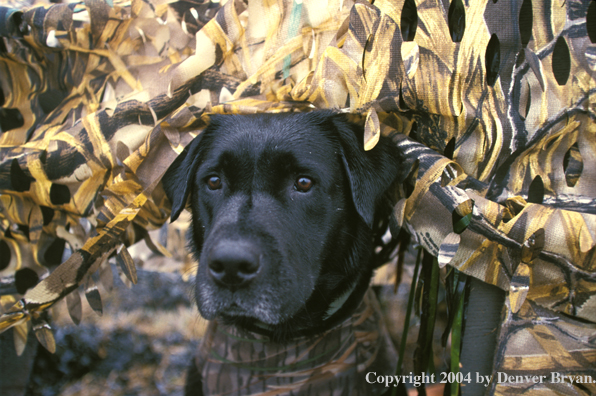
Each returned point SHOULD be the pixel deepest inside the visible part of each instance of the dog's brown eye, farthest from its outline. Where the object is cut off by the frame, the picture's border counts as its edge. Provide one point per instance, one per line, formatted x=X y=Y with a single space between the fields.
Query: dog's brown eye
x=303 y=184
x=214 y=183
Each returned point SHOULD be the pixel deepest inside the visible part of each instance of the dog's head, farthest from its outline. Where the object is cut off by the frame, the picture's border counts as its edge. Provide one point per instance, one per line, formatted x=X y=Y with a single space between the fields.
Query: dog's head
x=282 y=208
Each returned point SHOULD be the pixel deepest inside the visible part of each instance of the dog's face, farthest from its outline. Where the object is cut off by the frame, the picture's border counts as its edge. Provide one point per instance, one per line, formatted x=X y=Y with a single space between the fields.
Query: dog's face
x=281 y=213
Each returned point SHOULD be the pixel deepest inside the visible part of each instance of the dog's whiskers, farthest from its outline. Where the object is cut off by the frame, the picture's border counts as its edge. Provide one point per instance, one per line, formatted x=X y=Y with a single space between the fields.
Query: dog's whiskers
x=348 y=233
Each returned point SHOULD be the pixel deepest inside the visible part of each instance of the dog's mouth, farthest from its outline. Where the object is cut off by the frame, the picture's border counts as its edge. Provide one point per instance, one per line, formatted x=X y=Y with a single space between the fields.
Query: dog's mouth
x=233 y=308
x=235 y=314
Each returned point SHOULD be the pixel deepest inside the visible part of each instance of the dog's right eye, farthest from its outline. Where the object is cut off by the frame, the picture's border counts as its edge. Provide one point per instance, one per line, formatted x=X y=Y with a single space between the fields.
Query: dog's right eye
x=303 y=184
x=214 y=182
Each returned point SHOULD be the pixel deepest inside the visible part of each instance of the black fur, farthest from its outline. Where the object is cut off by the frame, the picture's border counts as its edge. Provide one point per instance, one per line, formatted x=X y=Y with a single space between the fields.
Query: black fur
x=310 y=247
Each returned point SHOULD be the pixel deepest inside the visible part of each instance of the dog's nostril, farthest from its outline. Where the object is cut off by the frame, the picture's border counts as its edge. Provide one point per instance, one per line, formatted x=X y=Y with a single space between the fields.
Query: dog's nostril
x=216 y=266
x=232 y=264
x=248 y=267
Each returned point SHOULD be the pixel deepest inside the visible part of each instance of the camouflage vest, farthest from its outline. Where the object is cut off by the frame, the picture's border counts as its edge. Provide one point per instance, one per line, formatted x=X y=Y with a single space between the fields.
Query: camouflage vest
x=237 y=362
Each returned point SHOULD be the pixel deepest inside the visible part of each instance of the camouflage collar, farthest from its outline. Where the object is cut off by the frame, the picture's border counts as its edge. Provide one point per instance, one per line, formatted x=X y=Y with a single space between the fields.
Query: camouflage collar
x=233 y=360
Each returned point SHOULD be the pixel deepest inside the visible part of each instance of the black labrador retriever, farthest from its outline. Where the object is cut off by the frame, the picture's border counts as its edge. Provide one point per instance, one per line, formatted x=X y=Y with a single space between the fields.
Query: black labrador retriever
x=283 y=208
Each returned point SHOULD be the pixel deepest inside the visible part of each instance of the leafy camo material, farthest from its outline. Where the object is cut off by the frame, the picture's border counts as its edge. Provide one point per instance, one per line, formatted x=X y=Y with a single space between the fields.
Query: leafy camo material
x=490 y=102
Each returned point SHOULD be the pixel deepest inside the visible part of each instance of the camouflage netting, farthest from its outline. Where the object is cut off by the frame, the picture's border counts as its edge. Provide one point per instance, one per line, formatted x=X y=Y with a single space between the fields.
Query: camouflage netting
x=493 y=101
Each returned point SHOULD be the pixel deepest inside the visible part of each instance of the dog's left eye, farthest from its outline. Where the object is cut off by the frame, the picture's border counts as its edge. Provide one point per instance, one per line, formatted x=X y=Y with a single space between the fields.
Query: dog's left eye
x=303 y=184
x=214 y=183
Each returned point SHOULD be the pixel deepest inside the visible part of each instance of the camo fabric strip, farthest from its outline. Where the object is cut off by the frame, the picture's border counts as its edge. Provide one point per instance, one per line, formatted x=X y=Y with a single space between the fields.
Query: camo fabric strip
x=233 y=362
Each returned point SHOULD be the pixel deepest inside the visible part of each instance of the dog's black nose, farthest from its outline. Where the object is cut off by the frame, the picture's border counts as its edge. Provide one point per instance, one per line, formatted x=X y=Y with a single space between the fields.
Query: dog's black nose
x=233 y=264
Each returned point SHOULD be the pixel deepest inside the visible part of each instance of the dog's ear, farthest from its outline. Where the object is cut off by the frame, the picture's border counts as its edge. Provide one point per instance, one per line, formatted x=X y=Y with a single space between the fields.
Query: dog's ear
x=370 y=173
x=178 y=179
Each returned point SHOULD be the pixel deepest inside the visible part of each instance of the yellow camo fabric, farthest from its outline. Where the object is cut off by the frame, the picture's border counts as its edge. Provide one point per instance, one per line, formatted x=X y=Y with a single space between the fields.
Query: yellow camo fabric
x=110 y=93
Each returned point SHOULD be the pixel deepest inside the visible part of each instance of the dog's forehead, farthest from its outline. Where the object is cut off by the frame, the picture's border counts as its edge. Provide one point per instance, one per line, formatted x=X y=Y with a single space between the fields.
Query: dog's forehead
x=267 y=136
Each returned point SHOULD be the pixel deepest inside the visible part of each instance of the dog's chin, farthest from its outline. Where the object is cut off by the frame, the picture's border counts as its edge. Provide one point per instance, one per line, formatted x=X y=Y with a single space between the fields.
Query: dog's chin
x=242 y=321
x=248 y=305
x=234 y=314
